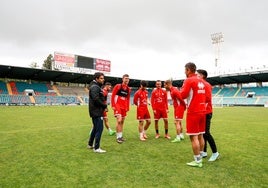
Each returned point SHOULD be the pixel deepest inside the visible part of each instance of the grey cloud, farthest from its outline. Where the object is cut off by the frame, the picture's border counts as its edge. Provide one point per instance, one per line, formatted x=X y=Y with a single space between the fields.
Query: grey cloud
x=173 y=26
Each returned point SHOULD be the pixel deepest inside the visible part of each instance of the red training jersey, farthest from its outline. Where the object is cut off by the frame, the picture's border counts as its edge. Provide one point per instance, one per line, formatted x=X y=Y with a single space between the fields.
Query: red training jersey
x=195 y=91
x=209 y=98
x=141 y=98
x=121 y=96
x=105 y=94
x=159 y=99
x=176 y=97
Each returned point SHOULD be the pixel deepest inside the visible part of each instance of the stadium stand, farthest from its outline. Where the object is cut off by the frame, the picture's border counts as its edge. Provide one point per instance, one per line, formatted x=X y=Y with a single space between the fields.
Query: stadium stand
x=13 y=88
x=227 y=92
x=5 y=99
x=41 y=94
x=215 y=90
x=30 y=86
x=242 y=96
x=38 y=88
x=72 y=90
x=259 y=91
x=56 y=100
x=15 y=99
x=228 y=96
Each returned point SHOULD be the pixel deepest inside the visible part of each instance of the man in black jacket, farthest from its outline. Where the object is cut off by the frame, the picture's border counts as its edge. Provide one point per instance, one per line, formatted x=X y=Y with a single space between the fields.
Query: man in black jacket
x=96 y=106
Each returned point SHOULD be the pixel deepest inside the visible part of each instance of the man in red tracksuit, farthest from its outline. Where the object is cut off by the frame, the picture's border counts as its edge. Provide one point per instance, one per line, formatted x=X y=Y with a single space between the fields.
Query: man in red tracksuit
x=179 y=108
x=194 y=91
x=120 y=100
x=141 y=101
x=159 y=104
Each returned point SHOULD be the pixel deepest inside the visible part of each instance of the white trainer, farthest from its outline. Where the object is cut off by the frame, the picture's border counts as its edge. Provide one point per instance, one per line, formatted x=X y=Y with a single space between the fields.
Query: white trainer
x=203 y=154
x=214 y=157
x=99 y=150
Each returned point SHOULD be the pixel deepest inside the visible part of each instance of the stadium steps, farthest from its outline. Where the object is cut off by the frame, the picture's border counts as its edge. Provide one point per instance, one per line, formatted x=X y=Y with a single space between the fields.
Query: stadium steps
x=218 y=92
x=257 y=100
x=32 y=99
x=56 y=89
x=9 y=89
x=80 y=99
x=237 y=92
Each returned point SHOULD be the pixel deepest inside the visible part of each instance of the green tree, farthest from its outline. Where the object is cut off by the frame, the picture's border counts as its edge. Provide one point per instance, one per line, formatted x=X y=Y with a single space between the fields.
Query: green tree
x=48 y=62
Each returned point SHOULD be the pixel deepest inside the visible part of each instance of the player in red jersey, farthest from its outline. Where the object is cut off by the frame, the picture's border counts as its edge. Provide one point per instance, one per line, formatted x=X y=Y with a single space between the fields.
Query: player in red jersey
x=195 y=91
x=120 y=100
x=207 y=136
x=159 y=104
x=107 y=87
x=141 y=101
x=179 y=108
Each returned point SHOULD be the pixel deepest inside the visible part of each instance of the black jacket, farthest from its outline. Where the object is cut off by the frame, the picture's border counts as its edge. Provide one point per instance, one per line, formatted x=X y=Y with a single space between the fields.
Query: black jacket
x=96 y=102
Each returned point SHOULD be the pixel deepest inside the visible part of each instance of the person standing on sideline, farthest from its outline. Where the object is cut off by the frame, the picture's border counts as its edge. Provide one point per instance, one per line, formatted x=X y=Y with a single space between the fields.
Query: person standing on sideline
x=195 y=91
x=207 y=136
x=107 y=87
x=159 y=104
x=120 y=100
x=141 y=101
x=179 y=108
x=96 y=106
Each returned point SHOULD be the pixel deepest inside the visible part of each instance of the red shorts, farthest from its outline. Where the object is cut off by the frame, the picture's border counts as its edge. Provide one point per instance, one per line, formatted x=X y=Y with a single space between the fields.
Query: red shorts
x=160 y=113
x=178 y=112
x=143 y=114
x=120 y=112
x=195 y=123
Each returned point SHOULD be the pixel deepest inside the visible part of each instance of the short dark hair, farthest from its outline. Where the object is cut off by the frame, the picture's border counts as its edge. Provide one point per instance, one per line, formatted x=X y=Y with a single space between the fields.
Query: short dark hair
x=125 y=75
x=107 y=84
x=191 y=66
x=97 y=75
x=203 y=72
x=144 y=83
x=168 y=82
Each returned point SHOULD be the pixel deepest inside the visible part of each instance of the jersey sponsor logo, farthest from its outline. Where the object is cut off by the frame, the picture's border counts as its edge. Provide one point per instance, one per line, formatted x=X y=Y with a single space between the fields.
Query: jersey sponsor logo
x=123 y=92
x=201 y=87
x=144 y=101
x=159 y=100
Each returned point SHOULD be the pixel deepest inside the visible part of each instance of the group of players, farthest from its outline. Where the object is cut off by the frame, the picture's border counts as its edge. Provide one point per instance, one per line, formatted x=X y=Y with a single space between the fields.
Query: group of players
x=195 y=96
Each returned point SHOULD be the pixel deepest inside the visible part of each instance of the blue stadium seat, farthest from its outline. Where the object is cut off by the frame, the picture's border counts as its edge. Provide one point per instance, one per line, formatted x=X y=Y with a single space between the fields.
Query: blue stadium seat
x=3 y=88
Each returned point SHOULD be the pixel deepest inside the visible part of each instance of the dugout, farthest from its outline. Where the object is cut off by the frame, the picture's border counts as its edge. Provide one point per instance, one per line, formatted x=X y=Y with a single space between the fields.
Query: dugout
x=29 y=92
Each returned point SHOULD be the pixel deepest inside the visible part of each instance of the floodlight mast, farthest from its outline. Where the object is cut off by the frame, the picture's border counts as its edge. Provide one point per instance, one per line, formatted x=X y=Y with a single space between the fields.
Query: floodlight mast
x=217 y=39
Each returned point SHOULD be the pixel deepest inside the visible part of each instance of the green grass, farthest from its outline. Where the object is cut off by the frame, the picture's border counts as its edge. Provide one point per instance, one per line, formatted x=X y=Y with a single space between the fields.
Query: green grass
x=46 y=147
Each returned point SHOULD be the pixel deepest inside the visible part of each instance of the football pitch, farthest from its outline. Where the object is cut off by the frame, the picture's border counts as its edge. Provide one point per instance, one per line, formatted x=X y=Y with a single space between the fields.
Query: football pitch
x=45 y=146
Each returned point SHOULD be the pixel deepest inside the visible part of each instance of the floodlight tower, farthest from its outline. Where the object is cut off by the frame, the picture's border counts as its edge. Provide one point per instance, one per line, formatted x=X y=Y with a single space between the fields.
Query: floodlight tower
x=217 y=39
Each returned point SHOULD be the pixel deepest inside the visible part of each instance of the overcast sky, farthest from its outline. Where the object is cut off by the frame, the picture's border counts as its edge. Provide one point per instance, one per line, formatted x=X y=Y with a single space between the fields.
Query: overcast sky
x=148 y=39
